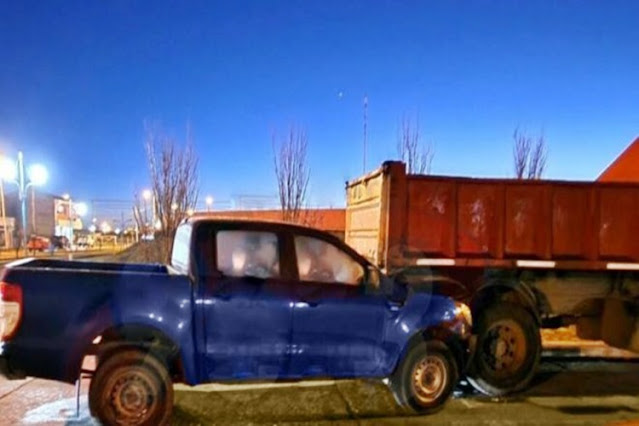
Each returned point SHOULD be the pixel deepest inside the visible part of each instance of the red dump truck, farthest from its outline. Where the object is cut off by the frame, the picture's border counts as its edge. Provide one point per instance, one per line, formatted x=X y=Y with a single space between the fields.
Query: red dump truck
x=529 y=254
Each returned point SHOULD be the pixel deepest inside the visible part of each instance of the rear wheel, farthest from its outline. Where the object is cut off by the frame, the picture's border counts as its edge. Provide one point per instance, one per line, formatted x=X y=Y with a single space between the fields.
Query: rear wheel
x=425 y=378
x=131 y=388
x=507 y=352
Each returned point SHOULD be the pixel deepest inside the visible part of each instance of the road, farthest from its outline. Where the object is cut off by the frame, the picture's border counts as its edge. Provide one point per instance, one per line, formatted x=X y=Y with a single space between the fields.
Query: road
x=8 y=256
x=565 y=392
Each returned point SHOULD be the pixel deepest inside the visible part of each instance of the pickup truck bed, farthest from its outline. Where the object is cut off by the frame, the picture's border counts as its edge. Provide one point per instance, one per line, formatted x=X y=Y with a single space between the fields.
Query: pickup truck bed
x=109 y=295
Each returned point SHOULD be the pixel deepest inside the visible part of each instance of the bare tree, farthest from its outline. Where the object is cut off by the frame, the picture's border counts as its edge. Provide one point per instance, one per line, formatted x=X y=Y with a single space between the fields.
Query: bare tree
x=529 y=155
x=173 y=169
x=418 y=158
x=291 y=171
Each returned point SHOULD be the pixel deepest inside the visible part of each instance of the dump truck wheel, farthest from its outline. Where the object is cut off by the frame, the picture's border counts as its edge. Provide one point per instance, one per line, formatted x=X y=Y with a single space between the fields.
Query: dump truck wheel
x=425 y=378
x=507 y=352
x=133 y=388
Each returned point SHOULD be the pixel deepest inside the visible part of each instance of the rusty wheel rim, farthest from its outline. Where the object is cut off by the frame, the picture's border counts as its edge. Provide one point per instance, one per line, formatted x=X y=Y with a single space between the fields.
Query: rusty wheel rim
x=504 y=347
x=429 y=378
x=133 y=397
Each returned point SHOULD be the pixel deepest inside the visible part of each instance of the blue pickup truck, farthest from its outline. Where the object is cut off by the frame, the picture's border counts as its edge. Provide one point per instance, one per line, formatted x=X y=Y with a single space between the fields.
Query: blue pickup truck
x=240 y=301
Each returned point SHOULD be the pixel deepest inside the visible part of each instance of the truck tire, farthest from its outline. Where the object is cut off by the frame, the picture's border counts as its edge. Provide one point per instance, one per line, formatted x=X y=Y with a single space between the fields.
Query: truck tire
x=133 y=388
x=425 y=378
x=507 y=352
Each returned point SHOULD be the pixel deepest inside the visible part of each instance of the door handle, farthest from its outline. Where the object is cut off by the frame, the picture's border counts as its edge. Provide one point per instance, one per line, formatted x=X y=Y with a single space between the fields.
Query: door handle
x=394 y=305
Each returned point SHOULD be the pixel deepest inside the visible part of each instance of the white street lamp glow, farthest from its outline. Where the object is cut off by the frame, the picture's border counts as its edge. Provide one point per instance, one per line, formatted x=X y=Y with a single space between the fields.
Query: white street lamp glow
x=81 y=209
x=66 y=197
x=147 y=194
x=38 y=175
x=8 y=169
x=190 y=212
x=209 y=201
x=174 y=206
x=92 y=228
x=105 y=227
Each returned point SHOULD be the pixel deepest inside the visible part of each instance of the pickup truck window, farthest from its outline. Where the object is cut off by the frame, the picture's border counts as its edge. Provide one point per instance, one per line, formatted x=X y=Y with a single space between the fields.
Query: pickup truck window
x=180 y=253
x=248 y=253
x=320 y=261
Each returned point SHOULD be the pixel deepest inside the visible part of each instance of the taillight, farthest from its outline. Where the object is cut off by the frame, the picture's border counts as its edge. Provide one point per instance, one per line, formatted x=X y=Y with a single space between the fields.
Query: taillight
x=10 y=310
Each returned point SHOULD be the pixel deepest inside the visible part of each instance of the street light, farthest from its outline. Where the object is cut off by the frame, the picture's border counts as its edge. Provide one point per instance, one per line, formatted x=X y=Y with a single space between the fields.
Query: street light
x=105 y=227
x=209 y=203
x=37 y=175
x=80 y=209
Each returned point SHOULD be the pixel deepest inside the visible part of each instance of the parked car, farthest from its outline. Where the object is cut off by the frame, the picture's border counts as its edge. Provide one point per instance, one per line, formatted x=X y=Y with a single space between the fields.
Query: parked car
x=37 y=243
x=240 y=301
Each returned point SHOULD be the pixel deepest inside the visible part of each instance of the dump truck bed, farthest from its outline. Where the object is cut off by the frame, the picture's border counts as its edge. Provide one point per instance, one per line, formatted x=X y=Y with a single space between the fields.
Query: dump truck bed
x=397 y=219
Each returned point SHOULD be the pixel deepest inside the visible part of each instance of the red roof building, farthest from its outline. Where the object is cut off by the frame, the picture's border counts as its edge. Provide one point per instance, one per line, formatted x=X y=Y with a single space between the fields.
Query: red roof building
x=331 y=220
x=625 y=168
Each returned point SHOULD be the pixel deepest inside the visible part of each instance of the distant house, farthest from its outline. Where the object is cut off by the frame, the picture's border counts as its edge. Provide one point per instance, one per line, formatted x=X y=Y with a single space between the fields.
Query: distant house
x=40 y=212
x=625 y=168
x=330 y=220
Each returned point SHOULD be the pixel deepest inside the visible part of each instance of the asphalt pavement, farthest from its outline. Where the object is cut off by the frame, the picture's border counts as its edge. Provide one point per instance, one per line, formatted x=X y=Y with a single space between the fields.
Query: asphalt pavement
x=565 y=392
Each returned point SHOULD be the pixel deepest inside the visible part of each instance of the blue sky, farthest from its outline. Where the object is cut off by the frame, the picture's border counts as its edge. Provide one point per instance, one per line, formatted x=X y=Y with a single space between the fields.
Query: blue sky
x=78 y=79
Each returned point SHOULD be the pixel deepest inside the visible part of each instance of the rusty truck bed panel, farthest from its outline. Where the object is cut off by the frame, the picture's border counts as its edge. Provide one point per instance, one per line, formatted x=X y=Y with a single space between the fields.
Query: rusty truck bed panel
x=394 y=219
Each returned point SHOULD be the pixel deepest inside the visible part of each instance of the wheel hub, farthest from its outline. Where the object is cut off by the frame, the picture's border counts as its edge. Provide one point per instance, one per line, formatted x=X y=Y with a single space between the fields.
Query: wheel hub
x=429 y=379
x=132 y=398
x=504 y=347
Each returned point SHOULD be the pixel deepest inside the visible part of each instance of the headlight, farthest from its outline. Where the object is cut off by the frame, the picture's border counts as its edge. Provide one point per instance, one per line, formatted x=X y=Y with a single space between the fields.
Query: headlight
x=463 y=312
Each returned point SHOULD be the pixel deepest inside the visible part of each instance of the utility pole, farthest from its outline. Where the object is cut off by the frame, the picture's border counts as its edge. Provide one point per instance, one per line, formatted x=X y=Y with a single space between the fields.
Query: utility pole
x=4 y=217
x=33 y=211
x=365 y=128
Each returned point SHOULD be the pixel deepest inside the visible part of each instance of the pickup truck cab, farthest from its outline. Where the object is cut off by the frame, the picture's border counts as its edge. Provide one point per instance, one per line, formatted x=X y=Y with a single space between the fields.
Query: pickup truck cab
x=240 y=301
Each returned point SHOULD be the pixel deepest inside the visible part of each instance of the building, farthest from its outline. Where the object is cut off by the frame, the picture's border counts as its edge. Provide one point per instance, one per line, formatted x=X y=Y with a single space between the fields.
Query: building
x=67 y=221
x=625 y=168
x=7 y=230
x=40 y=212
x=330 y=220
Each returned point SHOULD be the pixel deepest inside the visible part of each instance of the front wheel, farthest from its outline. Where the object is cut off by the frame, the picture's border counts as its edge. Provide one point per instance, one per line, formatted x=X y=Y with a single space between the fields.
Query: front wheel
x=131 y=388
x=507 y=352
x=425 y=378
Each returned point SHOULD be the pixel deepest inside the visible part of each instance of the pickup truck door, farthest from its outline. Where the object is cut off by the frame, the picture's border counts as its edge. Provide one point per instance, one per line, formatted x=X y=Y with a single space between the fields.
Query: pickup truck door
x=247 y=307
x=338 y=327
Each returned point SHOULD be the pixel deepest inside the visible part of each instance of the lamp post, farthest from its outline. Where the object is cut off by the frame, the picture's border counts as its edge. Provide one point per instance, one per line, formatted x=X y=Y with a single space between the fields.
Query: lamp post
x=209 y=203
x=14 y=172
